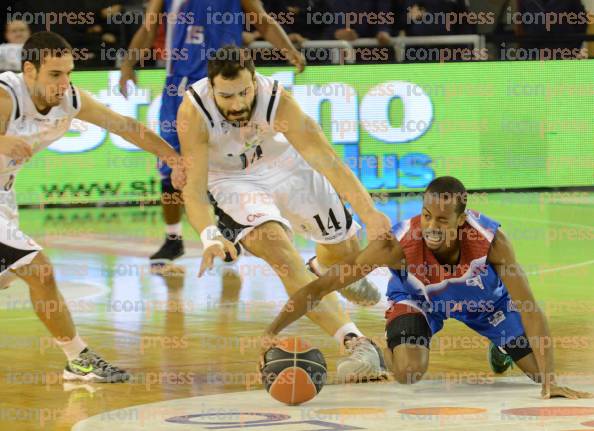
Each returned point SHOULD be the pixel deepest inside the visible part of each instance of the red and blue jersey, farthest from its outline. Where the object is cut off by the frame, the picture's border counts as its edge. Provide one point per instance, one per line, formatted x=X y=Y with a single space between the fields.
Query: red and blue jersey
x=472 y=290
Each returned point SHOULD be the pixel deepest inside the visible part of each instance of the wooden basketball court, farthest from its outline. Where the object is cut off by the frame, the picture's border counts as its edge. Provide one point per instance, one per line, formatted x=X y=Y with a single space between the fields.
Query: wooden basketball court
x=191 y=344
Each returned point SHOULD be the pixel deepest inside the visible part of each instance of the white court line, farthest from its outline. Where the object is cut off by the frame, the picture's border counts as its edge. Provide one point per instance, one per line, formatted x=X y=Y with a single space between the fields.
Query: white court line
x=541 y=221
x=562 y=268
x=561 y=223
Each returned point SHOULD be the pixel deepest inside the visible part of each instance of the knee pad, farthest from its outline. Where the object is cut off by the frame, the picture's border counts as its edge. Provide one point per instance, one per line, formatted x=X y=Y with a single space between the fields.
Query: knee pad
x=408 y=329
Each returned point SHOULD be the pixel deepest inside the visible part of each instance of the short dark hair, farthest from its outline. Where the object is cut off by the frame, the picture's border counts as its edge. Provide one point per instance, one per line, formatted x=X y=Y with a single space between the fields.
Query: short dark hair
x=448 y=188
x=228 y=61
x=43 y=44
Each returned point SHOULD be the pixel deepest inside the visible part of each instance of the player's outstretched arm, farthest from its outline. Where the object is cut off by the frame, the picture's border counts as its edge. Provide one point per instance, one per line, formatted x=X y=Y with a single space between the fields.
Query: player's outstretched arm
x=272 y=32
x=309 y=140
x=193 y=138
x=503 y=258
x=141 y=41
x=379 y=253
x=132 y=131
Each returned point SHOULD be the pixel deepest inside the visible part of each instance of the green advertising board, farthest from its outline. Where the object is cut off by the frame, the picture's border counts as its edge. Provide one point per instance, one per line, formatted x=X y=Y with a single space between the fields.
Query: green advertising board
x=494 y=125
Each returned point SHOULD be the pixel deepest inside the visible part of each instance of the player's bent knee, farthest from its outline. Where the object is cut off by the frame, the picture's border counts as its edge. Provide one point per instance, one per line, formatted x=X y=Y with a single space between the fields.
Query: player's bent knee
x=270 y=242
x=408 y=337
x=409 y=363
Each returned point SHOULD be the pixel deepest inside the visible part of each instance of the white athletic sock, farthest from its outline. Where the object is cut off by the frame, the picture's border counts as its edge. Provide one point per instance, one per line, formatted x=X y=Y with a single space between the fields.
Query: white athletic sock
x=72 y=348
x=174 y=229
x=347 y=328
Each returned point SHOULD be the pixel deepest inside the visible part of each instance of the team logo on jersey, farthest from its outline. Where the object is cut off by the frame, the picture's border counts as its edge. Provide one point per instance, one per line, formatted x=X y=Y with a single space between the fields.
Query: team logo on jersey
x=480 y=270
x=225 y=127
x=252 y=142
x=476 y=282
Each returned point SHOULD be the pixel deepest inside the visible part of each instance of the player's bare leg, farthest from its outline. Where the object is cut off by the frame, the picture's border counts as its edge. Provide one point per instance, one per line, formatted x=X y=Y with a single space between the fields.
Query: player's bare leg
x=270 y=242
x=49 y=305
x=47 y=300
x=172 y=212
x=529 y=366
x=501 y=361
x=361 y=292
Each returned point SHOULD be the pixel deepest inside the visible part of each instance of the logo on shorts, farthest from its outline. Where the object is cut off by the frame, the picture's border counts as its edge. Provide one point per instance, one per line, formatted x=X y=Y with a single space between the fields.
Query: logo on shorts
x=251 y=217
x=497 y=318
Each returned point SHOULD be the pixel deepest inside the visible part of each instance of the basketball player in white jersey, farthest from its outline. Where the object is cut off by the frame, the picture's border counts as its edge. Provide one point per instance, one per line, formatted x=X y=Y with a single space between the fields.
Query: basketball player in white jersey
x=268 y=170
x=36 y=108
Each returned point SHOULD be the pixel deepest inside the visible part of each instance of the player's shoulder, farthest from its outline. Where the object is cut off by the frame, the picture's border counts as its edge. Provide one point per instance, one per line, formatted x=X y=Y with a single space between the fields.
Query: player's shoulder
x=74 y=98
x=487 y=226
x=10 y=83
x=8 y=98
x=198 y=98
x=501 y=251
x=199 y=86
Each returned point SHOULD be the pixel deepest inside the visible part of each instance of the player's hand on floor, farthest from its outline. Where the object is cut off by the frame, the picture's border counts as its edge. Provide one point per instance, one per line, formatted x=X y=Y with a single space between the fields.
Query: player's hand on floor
x=378 y=225
x=554 y=391
x=216 y=250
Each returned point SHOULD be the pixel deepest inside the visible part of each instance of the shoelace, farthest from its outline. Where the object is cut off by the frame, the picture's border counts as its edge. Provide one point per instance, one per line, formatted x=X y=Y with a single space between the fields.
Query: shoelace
x=98 y=362
x=354 y=348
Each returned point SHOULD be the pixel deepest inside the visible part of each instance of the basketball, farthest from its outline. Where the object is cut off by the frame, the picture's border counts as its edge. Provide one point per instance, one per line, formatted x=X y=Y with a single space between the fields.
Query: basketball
x=294 y=372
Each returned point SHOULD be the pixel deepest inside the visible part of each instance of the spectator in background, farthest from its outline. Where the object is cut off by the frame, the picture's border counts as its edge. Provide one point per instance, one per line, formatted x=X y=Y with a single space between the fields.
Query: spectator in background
x=295 y=16
x=549 y=36
x=81 y=34
x=427 y=17
x=103 y=12
x=365 y=27
x=16 y=33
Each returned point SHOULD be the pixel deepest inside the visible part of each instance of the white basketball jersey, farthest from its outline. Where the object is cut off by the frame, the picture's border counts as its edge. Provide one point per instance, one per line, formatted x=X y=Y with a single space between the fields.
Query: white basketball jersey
x=27 y=123
x=37 y=129
x=250 y=149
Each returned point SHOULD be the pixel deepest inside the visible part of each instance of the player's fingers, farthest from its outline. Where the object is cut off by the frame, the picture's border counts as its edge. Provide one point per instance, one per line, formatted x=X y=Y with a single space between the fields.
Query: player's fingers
x=581 y=394
x=219 y=251
x=230 y=248
x=123 y=86
x=568 y=393
x=207 y=260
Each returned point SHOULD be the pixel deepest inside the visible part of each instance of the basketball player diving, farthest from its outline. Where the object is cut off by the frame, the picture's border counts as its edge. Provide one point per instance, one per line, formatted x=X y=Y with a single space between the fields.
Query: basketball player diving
x=268 y=170
x=447 y=262
x=37 y=107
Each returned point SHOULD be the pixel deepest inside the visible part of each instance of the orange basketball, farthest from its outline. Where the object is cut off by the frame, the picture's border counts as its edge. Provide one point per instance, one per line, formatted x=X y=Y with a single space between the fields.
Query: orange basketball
x=294 y=372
